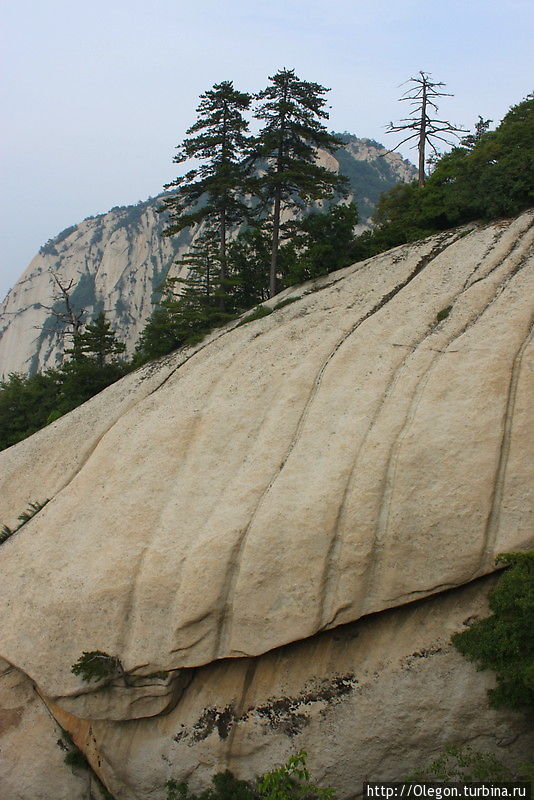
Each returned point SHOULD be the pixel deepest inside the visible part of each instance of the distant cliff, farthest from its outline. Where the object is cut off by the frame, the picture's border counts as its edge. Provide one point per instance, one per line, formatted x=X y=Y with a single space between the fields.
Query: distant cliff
x=117 y=260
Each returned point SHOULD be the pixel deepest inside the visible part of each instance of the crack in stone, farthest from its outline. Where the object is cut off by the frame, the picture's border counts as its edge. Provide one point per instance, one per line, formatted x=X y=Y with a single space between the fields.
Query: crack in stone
x=492 y=523
x=386 y=495
x=236 y=555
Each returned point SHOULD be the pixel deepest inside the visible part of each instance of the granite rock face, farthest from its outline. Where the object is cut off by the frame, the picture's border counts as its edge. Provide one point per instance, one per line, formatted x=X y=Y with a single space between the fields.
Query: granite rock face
x=217 y=519
x=379 y=698
x=33 y=747
x=117 y=261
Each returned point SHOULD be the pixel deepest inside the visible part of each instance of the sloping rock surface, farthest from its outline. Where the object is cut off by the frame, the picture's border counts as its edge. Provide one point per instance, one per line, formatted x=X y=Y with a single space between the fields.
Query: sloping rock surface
x=360 y=448
x=272 y=532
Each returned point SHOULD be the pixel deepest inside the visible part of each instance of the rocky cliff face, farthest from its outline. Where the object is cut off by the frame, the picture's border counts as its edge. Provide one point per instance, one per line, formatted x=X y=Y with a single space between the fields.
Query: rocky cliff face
x=116 y=262
x=277 y=531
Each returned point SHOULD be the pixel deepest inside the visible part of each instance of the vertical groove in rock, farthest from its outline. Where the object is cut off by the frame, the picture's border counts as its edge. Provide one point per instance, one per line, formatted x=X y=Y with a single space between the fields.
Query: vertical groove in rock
x=129 y=602
x=388 y=483
x=234 y=563
x=328 y=578
x=497 y=236
x=327 y=613
x=492 y=524
x=390 y=470
x=518 y=241
x=191 y=432
x=248 y=680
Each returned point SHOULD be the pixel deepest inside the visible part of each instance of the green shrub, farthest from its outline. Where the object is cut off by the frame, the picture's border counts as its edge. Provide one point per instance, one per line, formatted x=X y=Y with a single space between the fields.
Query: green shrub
x=96 y=665
x=286 y=302
x=288 y=782
x=504 y=642
x=465 y=764
x=443 y=314
x=26 y=516
x=225 y=787
x=291 y=781
x=258 y=313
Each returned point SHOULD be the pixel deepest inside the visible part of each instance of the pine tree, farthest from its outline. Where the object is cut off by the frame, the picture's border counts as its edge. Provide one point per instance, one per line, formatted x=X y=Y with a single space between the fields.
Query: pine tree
x=194 y=302
x=93 y=364
x=481 y=128
x=212 y=193
x=26 y=403
x=292 y=111
x=323 y=242
x=249 y=255
x=97 y=341
x=159 y=337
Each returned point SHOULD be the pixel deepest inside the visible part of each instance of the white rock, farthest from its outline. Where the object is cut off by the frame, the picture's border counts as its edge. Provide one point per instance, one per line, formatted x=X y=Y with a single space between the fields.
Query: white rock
x=348 y=454
x=373 y=700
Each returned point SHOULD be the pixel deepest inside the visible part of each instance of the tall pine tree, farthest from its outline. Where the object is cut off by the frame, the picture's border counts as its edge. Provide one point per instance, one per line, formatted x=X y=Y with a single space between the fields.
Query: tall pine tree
x=292 y=111
x=213 y=192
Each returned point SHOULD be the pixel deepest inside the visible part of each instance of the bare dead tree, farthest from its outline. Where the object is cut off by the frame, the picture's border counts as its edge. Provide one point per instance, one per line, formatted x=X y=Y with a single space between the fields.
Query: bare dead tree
x=72 y=319
x=425 y=129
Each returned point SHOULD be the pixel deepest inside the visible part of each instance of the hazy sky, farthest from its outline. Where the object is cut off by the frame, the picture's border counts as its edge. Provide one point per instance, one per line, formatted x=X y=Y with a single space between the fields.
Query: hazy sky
x=96 y=95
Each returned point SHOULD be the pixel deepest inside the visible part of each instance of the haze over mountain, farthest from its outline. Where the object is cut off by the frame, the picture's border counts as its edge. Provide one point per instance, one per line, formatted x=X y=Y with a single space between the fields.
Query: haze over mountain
x=97 y=96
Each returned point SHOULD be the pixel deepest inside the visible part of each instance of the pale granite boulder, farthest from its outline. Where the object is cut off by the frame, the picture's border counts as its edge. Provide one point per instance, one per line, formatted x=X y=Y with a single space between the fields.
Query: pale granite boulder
x=346 y=454
x=359 y=449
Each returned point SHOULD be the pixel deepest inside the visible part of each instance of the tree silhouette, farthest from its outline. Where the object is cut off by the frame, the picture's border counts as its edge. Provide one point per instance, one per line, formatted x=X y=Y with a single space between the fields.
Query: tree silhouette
x=425 y=129
x=212 y=192
x=286 y=147
x=70 y=317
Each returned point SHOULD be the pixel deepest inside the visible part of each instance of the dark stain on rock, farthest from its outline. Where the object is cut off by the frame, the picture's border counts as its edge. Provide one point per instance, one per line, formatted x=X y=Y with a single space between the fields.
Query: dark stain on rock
x=409 y=660
x=283 y=714
x=223 y=720
x=10 y=718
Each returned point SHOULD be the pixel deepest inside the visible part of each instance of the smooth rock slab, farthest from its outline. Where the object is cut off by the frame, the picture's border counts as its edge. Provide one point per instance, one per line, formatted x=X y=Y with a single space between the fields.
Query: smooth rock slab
x=33 y=747
x=345 y=455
